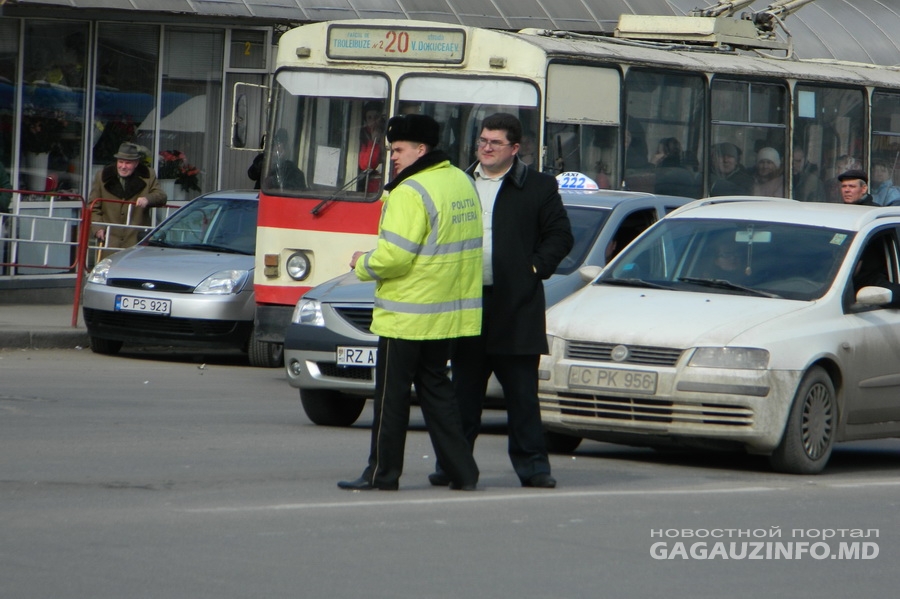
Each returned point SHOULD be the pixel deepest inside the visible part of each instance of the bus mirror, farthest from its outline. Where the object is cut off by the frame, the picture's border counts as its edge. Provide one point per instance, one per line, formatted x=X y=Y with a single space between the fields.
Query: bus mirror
x=248 y=107
x=239 y=122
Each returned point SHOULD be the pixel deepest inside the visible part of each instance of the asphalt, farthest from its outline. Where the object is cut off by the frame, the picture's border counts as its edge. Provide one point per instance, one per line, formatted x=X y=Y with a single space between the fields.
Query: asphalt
x=41 y=326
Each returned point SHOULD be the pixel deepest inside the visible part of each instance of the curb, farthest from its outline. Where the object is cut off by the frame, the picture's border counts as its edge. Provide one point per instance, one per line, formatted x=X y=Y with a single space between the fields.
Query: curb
x=44 y=339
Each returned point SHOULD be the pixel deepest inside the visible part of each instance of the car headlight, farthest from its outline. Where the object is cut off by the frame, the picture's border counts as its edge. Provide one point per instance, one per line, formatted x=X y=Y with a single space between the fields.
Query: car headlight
x=738 y=358
x=99 y=272
x=297 y=266
x=308 y=312
x=224 y=282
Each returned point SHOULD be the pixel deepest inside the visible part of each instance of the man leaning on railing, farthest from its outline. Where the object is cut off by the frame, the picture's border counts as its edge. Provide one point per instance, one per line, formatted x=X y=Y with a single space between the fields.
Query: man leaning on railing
x=131 y=180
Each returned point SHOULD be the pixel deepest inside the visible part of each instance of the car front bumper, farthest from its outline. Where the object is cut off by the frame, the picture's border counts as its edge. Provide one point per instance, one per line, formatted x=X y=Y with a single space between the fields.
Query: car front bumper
x=195 y=320
x=310 y=352
x=746 y=408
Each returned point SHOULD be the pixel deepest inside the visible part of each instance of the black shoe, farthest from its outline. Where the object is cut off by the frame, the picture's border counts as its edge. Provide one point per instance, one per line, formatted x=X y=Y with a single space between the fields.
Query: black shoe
x=542 y=480
x=439 y=479
x=361 y=484
x=454 y=486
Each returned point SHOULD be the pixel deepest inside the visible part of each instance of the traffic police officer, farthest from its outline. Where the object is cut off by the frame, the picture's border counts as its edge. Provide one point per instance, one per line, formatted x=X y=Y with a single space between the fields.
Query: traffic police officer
x=427 y=268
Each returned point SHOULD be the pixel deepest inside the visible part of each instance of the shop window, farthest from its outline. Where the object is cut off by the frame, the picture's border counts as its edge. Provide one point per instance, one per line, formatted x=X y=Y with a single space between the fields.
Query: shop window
x=55 y=55
x=125 y=97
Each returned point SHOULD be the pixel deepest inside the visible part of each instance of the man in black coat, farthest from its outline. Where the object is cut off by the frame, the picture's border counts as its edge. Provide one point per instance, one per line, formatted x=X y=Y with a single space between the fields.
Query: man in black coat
x=526 y=235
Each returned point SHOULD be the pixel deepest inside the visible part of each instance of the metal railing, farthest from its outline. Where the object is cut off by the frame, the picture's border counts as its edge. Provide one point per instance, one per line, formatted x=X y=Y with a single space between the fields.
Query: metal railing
x=50 y=234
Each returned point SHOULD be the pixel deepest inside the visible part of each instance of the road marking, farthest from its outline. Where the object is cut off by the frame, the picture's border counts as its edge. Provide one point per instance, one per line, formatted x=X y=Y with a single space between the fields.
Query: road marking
x=395 y=499
x=469 y=497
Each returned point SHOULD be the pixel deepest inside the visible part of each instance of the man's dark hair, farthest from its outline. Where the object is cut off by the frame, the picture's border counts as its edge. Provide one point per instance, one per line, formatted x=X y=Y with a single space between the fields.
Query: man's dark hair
x=503 y=121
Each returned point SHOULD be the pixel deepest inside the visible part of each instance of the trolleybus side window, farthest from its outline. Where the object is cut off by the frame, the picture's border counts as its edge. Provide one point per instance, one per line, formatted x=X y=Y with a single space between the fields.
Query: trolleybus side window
x=829 y=136
x=886 y=133
x=664 y=134
x=749 y=119
x=583 y=115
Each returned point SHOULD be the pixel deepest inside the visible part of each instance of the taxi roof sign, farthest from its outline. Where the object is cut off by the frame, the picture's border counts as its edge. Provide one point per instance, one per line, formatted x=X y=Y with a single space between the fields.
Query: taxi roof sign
x=576 y=181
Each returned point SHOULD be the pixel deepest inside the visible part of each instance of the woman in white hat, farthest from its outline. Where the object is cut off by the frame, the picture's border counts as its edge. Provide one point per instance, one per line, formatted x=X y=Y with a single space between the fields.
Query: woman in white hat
x=769 y=178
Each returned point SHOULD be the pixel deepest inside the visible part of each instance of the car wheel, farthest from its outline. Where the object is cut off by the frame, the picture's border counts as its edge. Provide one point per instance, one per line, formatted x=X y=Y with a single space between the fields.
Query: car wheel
x=331 y=408
x=263 y=354
x=560 y=442
x=809 y=435
x=105 y=346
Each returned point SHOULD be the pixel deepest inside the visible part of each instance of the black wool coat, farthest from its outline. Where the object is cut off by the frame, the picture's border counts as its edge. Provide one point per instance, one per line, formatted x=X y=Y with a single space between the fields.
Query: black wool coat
x=531 y=231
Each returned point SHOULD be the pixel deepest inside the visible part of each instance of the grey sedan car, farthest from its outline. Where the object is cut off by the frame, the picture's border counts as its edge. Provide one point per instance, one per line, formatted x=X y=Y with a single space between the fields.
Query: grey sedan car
x=189 y=282
x=329 y=351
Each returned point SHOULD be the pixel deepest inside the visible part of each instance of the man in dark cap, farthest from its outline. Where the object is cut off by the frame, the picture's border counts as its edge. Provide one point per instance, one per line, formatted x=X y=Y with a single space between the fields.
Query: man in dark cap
x=855 y=188
x=427 y=273
x=118 y=223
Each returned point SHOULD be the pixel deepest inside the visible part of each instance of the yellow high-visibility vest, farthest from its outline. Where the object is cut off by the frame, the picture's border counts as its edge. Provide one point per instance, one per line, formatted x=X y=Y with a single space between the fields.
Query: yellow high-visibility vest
x=427 y=264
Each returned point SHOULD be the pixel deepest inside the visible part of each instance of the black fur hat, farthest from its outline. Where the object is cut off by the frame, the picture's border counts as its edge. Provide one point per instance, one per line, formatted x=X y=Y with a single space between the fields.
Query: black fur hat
x=418 y=128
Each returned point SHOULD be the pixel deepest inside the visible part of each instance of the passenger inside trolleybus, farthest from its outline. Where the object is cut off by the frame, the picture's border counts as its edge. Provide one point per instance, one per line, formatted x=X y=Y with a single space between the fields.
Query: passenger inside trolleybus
x=729 y=175
x=371 y=147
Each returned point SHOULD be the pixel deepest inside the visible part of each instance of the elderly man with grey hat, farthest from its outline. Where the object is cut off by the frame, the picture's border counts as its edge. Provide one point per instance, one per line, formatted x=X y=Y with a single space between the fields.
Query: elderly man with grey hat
x=134 y=191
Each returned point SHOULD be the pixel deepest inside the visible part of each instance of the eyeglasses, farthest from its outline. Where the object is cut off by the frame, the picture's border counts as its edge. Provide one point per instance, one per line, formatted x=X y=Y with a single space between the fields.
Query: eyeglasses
x=493 y=143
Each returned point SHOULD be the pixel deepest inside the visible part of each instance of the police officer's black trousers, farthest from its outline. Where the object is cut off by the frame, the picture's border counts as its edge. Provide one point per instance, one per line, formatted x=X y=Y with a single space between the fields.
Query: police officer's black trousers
x=402 y=363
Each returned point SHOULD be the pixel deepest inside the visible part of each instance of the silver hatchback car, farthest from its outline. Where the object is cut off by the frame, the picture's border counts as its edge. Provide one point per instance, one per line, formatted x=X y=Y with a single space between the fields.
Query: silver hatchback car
x=189 y=282
x=329 y=352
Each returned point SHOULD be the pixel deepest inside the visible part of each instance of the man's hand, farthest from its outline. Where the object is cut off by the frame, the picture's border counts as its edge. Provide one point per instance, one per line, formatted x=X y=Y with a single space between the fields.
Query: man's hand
x=142 y=202
x=100 y=234
x=353 y=260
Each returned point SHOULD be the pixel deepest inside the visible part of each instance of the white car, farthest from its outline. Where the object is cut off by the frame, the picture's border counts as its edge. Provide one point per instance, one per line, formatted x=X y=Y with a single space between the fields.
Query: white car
x=741 y=323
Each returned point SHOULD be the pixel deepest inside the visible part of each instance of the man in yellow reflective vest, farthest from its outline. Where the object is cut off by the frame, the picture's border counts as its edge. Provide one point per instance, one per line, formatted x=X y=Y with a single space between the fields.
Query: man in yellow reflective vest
x=427 y=268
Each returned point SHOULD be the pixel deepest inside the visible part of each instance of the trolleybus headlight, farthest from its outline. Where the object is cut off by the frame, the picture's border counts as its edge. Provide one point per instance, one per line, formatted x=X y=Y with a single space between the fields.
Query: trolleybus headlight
x=298 y=266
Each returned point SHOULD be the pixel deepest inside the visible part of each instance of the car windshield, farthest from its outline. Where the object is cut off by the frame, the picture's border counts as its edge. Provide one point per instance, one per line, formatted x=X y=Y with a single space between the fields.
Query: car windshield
x=222 y=225
x=758 y=258
x=586 y=225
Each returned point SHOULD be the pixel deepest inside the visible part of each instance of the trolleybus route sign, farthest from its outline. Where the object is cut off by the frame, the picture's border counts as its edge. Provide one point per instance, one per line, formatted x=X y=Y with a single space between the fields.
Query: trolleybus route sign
x=446 y=46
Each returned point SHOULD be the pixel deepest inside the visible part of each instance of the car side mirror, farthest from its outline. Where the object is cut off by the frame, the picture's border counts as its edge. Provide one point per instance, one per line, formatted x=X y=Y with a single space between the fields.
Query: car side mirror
x=874 y=296
x=589 y=273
